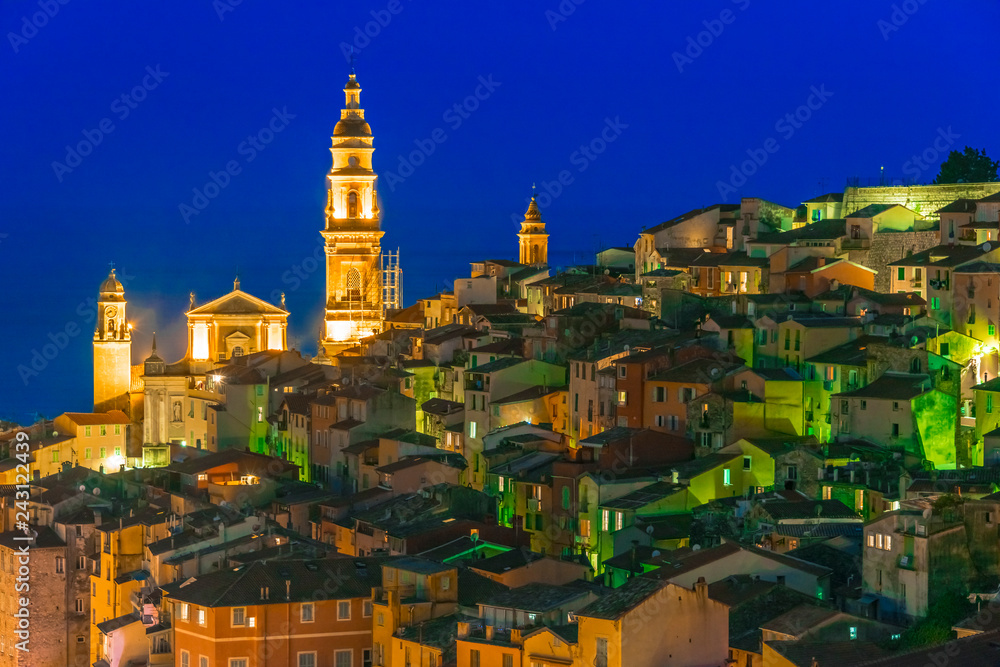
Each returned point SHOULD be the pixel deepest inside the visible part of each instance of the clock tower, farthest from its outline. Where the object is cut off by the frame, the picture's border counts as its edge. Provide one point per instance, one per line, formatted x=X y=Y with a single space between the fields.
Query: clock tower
x=112 y=349
x=353 y=231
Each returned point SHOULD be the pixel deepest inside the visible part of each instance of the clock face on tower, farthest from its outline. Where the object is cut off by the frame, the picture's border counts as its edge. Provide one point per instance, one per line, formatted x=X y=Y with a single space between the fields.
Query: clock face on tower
x=110 y=311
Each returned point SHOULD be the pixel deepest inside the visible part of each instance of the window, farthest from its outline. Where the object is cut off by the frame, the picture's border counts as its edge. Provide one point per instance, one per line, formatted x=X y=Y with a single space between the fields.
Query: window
x=895 y=406
x=200 y=616
x=792 y=472
x=79 y=606
x=659 y=394
x=854 y=632
x=601 y=652
x=381 y=619
x=343 y=658
x=622 y=398
x=565 y=498
x=307 y=659
x=746 y=463
x=474 y=658
x=901 y=273
x=239 y=662
x=118 y=451
x=203 y=661
x=472 y=429
x=619 y=520
x=508 y=660
x=366 y=609
x=871 y=540
x=864 y=404
x=895 y=430
x=989 y=402
x=118 y=428
x=185 y=659
x=604 y=519
x=184 y=611
x=60 y=564
x=844 y=405
x=992 y=329
x=622 y=370
x=104 y=429
x=81 y=562
x=306 y=612
x=727 y=477
x=87 y=453
x=344 y=610
x=104 y=452
x=86 y=431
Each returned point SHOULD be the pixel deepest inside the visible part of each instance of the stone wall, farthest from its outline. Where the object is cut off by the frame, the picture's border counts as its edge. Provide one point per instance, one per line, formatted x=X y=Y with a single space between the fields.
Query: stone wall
x=887 y=247
x=924 y=199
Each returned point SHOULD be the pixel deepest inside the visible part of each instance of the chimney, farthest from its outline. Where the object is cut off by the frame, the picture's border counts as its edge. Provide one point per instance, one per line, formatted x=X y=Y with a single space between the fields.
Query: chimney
x=463 y=630
x=701 y=587
x=489 y=633
x=288 y=589
x=515 y=637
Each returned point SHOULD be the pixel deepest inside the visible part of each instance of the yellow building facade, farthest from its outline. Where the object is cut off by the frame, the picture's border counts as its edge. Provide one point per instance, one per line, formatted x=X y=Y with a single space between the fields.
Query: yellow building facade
x=533 y=241
x=112 y=349
x=353 y=231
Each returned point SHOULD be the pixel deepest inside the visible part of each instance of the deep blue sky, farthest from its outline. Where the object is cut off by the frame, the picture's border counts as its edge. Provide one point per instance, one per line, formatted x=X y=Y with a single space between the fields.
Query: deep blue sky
x=557 y=88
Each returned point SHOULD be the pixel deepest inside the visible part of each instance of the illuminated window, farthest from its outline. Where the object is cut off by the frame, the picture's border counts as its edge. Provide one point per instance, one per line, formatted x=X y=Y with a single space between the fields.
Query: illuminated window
x=118 y=451
x=104 y=452
x=353 y=285
x=200 y=615
x=854 y=632
x=184 y=611
x=619 y=520
x=605 y=515
x=352 y=204
x=118 y=429
x=472 y=429
x=86 y=431
x=104 y=429
x=727 y=477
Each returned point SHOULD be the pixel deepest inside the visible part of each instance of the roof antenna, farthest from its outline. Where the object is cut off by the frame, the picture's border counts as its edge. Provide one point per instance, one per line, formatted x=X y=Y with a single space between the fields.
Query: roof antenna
x=352 y=61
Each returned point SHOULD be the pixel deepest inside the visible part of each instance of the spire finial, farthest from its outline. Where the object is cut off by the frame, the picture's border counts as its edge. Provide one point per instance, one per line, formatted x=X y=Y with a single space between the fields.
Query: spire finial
x=112 y=265
x=236 y=282
x=534 y=190
x=352 y=61
x=154 y=342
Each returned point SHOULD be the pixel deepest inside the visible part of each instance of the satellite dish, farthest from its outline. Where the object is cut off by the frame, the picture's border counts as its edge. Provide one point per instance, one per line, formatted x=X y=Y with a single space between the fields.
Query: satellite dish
x=97 y=491
x=83 y=488
x=927 y=513
x=656 y=552
x=649 y=530
x=696 y=547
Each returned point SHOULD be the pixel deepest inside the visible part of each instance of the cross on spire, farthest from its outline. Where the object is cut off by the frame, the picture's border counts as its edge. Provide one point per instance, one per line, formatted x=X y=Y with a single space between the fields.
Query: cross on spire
x=352 y=60
x=534 y=190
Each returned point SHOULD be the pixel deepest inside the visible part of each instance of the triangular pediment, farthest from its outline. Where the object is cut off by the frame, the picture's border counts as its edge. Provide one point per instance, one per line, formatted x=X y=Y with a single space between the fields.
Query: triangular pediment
x=237 y=302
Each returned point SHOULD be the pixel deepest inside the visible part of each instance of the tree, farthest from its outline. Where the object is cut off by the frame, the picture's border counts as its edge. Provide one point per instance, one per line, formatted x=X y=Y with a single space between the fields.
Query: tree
x=969 y=166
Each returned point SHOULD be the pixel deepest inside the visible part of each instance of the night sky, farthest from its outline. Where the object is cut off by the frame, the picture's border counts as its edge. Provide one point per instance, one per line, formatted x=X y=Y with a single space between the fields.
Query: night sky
x=884 y=80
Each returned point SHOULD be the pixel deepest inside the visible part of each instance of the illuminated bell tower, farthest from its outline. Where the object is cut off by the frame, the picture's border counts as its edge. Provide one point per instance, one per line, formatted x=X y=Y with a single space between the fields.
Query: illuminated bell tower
x=533 y=241
x=112 y=349
x=353 y=231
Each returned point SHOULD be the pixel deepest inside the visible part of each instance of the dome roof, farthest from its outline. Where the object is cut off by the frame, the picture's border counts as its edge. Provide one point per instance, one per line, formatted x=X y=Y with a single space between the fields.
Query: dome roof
x=352 y=127
x=533 y=213
x=111 y=284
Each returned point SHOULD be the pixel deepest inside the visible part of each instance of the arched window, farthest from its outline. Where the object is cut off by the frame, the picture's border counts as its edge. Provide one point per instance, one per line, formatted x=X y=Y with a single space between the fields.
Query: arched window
x=534 y=254
x=112 y=329
x=353 y=285
x=352 y=205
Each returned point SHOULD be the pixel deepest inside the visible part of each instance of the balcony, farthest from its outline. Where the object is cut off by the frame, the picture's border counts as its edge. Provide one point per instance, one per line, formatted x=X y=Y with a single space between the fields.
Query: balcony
x=855 y=244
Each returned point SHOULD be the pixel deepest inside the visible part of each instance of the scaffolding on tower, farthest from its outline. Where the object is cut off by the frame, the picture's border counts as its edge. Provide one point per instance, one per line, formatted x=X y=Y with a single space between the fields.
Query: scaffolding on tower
x=392 y=282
